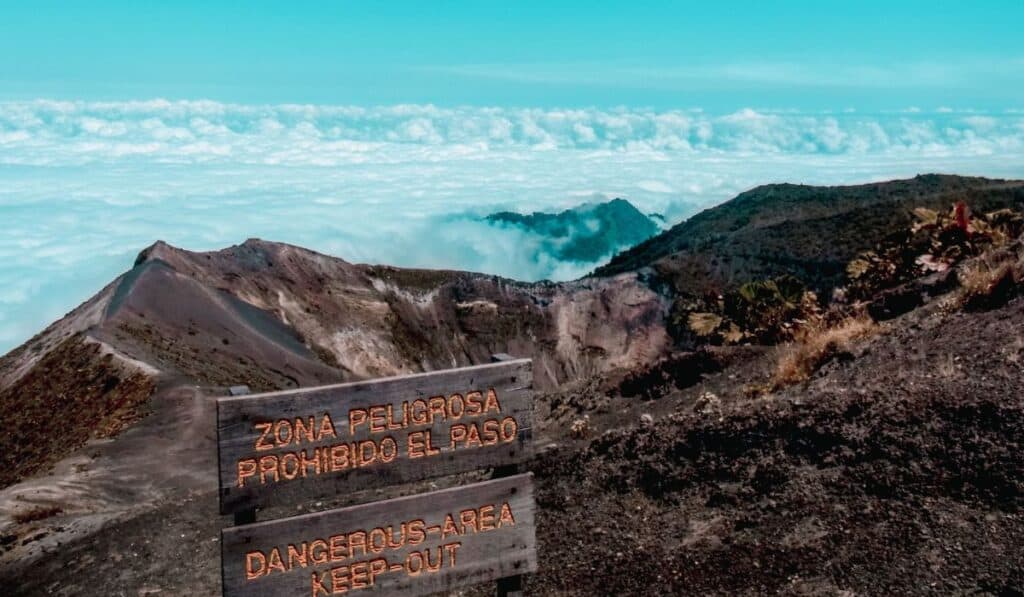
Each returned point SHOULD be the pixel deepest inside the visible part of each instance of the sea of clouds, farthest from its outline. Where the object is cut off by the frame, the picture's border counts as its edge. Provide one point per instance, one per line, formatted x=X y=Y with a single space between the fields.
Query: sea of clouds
x=85 y=185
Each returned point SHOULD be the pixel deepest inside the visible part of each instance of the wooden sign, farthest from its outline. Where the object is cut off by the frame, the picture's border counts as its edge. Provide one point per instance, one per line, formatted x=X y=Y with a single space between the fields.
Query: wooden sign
x=412 y=545
x=288 y=447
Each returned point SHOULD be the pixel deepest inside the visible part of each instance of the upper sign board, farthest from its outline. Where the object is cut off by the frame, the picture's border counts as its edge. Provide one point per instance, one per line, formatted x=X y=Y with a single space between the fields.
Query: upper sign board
x=291 y=446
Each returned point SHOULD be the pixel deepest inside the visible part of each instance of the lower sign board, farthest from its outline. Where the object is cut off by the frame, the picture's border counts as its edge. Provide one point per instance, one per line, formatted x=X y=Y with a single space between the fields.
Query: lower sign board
x=413 y=545
x=288 y=447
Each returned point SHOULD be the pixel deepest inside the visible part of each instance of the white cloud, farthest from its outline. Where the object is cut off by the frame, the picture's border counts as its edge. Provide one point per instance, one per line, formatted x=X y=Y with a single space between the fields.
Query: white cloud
x=654 y=186
x=46 y=132
x=86 y=185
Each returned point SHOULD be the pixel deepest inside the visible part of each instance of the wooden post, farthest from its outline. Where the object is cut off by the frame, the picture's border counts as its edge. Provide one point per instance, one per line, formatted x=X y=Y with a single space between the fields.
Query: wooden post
x=500 y=357
x=245 y=517
x=510 y=586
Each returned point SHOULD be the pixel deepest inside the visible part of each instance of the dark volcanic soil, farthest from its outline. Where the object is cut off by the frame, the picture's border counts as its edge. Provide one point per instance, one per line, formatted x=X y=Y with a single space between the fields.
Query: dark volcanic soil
x=899 y=473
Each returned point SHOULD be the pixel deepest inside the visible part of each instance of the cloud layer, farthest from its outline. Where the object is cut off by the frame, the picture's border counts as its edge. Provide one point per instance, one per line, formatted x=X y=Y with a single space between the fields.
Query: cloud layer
x=48 y=132
x=84 y=186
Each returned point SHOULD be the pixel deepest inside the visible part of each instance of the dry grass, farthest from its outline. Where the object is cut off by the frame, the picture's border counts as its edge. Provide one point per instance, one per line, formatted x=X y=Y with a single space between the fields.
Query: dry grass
x=580 y=428
x=89 y=393
x=816 y=346
x=990 y=281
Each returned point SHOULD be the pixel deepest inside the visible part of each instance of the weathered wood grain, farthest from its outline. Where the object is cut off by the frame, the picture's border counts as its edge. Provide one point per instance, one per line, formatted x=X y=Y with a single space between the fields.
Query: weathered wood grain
x=241 y=422
x=485 y=550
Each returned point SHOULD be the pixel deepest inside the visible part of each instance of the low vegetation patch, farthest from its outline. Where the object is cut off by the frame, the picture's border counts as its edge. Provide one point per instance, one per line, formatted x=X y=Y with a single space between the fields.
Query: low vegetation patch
x=37 y=514
x=758 y=312
x=817 y=346
x=79 y=393
x=935 y=243
x=983 y=253
x=991 y=280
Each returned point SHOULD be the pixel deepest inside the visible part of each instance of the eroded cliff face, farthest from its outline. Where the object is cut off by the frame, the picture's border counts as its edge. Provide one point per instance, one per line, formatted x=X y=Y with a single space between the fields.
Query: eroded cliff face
x=272 y=316
x=300 y=318
x=128 y=380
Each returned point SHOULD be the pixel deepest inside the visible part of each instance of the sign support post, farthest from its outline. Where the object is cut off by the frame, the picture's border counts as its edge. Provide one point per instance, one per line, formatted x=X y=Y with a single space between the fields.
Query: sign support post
x=510 y=586
x=247 y=516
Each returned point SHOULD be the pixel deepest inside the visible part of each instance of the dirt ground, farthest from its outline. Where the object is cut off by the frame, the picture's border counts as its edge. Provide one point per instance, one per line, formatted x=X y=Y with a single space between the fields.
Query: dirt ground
x=898 y=469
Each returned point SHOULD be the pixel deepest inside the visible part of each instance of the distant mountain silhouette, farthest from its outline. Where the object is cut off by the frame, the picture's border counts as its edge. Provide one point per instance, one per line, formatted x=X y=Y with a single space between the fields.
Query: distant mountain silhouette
x=586 y=233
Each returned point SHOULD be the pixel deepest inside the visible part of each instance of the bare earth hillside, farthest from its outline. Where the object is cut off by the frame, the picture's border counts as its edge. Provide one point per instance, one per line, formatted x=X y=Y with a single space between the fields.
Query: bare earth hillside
x=670 y=462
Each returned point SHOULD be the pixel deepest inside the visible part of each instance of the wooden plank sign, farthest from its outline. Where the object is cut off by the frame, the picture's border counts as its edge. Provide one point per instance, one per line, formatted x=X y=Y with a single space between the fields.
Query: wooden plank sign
x=412 y=545
x=288 y=447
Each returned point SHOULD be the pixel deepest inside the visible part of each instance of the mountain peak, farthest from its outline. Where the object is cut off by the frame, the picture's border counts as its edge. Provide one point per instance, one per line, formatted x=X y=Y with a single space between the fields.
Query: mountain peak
x=157 y=250
x=585 y=233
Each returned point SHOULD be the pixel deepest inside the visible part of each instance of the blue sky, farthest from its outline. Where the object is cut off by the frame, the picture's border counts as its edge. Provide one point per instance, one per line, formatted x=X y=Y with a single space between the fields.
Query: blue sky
x=383 y=131
x=720 y=56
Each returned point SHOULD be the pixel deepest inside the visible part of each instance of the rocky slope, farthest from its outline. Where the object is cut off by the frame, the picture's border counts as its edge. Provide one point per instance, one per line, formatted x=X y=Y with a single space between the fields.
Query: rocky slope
x=106 y=404
x=895 y=468
x=806 y=231
x=274 y=316
x=896 y=472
